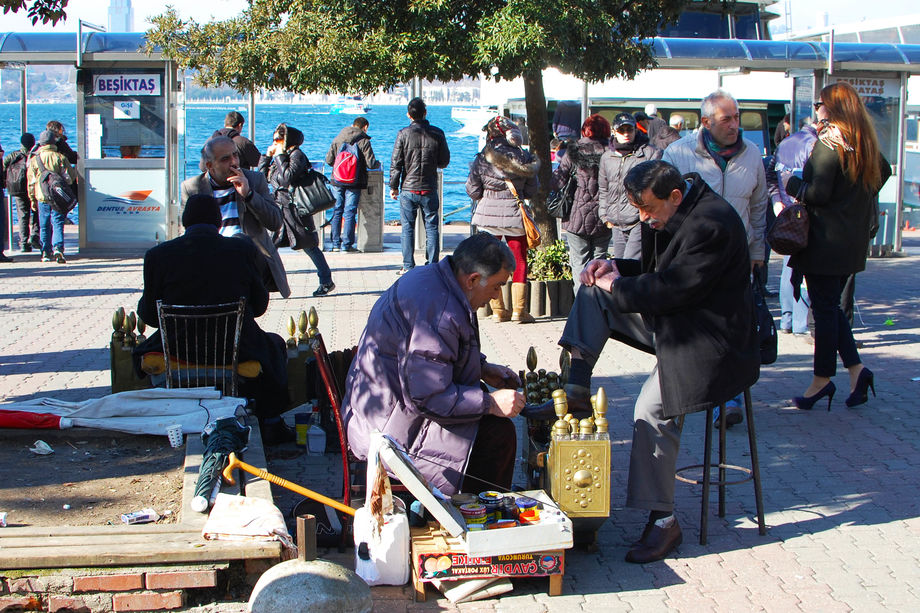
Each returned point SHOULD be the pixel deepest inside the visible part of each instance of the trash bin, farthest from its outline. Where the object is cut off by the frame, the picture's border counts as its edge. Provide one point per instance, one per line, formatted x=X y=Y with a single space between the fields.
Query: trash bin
x=369 y=235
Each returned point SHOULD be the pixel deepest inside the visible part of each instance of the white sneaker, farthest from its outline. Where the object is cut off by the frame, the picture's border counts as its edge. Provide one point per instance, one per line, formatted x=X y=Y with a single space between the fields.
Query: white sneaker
x=59 y=257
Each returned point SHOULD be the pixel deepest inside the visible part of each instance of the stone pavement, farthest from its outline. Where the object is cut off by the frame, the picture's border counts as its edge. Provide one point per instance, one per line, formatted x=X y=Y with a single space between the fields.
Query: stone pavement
x=841 y=489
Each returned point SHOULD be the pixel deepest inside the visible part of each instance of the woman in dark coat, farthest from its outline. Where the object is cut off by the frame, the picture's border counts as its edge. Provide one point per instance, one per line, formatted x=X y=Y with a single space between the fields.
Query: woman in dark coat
x=501 y=161
x=842 y=179
x=586 y=234
x=285 y=164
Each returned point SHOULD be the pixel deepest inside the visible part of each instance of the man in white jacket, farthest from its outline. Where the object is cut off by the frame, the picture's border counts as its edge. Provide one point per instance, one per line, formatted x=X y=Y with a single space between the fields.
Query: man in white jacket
x=733 y=168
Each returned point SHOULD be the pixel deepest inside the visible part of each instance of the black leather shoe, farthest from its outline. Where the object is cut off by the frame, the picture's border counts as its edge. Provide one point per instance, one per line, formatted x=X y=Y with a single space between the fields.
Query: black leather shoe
x=657 y=545
x=277 y=433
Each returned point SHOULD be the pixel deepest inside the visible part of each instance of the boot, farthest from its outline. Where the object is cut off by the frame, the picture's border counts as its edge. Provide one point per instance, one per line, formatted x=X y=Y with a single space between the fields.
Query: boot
x=519 y=314
x=499 y=312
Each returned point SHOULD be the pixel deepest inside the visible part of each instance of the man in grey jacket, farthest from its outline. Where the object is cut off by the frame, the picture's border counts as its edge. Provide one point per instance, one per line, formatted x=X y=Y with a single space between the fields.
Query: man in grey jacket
x=418 y=372
x=348 y=197
x=733 y=168
x=419 y=151
x=246 y=206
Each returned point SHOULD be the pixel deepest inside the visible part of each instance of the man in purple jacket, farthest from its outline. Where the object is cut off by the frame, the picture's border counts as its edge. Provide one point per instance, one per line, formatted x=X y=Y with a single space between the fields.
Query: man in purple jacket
x=418 y=373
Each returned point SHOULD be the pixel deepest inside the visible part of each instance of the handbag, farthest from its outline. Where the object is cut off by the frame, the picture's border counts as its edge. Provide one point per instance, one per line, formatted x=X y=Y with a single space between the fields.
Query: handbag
x=530 y=226
x=763 y=320
x=296 y=231
x=789 y=233
x=559 y=204
x=312 y=195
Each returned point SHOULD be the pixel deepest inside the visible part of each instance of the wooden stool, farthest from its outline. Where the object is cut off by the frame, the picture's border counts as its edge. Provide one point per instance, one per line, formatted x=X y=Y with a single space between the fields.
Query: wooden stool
x=751 y=474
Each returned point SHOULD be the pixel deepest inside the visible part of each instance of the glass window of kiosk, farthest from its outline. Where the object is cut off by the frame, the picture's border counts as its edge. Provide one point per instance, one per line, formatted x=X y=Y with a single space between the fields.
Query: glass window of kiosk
x=125 y=113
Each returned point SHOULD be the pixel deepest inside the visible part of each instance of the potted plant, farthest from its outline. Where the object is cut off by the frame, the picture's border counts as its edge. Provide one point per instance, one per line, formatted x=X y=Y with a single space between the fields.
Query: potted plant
x=551 y=286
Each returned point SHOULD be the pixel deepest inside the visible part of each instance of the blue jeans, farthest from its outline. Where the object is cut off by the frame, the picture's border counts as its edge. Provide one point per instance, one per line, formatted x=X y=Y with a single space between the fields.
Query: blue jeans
x=409 y=203
x=48 y=220
x=794 y=312
x=319 y=261
x=346 y=205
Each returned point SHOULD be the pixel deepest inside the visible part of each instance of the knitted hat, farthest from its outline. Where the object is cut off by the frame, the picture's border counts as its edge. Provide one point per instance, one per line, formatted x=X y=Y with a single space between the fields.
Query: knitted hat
x=47 y=137
x=502 y=127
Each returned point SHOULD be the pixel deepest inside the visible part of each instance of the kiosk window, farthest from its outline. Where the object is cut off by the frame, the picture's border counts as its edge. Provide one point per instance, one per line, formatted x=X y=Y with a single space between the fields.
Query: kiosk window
x=125 y=112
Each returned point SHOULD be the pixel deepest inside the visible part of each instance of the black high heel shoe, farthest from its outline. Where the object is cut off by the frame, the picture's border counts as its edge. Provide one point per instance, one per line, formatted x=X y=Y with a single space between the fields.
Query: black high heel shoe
x=807 y=402
x=860 y=394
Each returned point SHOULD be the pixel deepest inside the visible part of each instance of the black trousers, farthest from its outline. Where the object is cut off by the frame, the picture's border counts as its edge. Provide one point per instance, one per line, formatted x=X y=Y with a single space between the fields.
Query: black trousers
x=28 y=219
x=491 y=464
x=593 y=315
x=833 y=335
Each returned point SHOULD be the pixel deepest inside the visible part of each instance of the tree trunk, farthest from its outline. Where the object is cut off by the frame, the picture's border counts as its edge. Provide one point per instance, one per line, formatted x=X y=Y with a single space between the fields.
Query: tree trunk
x=535 y=102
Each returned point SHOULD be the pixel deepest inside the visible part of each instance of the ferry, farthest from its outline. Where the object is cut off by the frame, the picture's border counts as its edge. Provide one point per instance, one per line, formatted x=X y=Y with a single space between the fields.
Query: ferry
x=472 y=118
x=349 y=105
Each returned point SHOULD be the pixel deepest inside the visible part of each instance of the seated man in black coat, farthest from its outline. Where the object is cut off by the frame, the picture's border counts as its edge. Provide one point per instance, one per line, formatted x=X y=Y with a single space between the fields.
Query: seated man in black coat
x=688 y=301
x=202 y=267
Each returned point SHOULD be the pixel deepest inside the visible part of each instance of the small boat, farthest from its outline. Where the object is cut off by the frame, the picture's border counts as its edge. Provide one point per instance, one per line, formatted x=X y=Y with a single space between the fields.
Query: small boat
x=472 y=118
x=349 y=105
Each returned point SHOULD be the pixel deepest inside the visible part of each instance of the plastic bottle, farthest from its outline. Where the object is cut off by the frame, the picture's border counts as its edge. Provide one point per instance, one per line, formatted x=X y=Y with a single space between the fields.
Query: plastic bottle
x=316 y=436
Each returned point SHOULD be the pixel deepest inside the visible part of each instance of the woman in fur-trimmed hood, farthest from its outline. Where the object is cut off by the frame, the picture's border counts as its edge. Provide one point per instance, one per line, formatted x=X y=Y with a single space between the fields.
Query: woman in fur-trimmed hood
x=501 y=161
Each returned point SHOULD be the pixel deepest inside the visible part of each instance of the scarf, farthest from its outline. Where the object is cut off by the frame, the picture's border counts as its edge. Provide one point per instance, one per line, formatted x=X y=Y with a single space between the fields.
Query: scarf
x=624 y=148
x=721 y=154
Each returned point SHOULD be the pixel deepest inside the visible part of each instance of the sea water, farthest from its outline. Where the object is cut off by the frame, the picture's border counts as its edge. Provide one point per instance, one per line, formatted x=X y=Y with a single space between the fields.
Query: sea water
x=315 y=121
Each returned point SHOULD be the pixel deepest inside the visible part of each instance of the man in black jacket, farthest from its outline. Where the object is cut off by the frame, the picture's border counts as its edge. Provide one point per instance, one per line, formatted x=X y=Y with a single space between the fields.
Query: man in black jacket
x=419 y=151
x=202 y=267
x=233 y=128
x=688 y=301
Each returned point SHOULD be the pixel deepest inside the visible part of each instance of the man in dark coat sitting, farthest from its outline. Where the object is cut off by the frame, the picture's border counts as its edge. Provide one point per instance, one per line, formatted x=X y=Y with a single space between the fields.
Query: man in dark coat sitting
x=688 y=301
x=202 y=267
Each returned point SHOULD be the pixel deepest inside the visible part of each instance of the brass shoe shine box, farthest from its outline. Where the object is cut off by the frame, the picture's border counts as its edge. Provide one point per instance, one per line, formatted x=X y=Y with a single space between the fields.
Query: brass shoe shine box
x=578 y=460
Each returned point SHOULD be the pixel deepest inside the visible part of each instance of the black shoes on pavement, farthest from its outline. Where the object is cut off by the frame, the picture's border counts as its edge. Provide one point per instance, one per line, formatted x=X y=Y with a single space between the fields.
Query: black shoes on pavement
x=323 y=289
x=656 y=542
x=276 y=433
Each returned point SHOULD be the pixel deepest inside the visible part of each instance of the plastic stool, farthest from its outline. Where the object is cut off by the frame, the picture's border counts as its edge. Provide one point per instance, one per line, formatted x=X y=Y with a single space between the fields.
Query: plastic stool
x=751 y=474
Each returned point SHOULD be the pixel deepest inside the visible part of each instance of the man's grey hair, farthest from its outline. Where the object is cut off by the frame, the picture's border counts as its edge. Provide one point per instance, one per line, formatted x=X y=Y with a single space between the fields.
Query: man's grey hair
x=676 y=120
x=482 y=253
x=708 y=106
x=207 y=152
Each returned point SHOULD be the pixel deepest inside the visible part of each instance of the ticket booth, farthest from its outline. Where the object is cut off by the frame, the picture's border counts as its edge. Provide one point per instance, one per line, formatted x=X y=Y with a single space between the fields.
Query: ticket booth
x=128 y=117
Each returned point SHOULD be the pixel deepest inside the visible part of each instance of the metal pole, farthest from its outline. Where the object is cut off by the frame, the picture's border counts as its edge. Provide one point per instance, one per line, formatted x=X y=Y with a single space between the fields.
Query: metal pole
x=252 y=115
x=830 y=54
x=23 y=110
x=584 y=101
x=899 y=186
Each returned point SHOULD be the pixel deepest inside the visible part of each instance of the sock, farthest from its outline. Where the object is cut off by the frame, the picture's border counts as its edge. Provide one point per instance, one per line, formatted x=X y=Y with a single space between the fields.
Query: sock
x=656 y=515
x=580 y=373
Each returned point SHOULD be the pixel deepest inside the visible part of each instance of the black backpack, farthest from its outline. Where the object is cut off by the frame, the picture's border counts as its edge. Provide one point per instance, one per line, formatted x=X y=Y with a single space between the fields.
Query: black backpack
x=16 y=175
x=55 y=189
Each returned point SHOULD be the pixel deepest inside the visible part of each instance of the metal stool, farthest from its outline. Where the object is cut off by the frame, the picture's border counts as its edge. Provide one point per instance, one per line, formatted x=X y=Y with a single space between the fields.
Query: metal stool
x=752 y=474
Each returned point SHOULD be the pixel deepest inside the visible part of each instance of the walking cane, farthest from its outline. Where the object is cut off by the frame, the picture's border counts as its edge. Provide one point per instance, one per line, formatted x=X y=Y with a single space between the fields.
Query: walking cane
x=234 y=462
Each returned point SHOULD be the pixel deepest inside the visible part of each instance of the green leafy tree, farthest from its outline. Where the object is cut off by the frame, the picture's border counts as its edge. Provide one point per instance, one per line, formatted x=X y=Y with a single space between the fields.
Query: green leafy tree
x=38 y=10
x=352 y=46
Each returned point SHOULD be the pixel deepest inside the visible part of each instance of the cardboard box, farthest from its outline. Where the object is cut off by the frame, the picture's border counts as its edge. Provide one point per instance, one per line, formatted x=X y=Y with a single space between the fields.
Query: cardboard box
x=553 y=532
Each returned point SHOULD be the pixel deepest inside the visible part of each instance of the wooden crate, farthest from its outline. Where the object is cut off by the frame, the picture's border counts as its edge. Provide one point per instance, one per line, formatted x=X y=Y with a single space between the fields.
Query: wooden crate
x=437 y=555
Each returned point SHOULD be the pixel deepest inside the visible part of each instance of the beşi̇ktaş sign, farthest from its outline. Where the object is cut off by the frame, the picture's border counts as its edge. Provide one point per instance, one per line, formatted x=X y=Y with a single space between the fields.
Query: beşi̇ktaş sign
x=126 y=85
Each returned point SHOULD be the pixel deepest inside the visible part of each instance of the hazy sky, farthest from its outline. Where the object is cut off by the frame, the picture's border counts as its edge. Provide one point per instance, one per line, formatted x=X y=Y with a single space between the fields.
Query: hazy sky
x=805 y=13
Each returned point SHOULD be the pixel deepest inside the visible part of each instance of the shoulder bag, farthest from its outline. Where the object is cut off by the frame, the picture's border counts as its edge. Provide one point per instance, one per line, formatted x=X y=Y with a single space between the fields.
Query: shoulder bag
x=530 y=227
x=312 y=195
x=789 y=233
